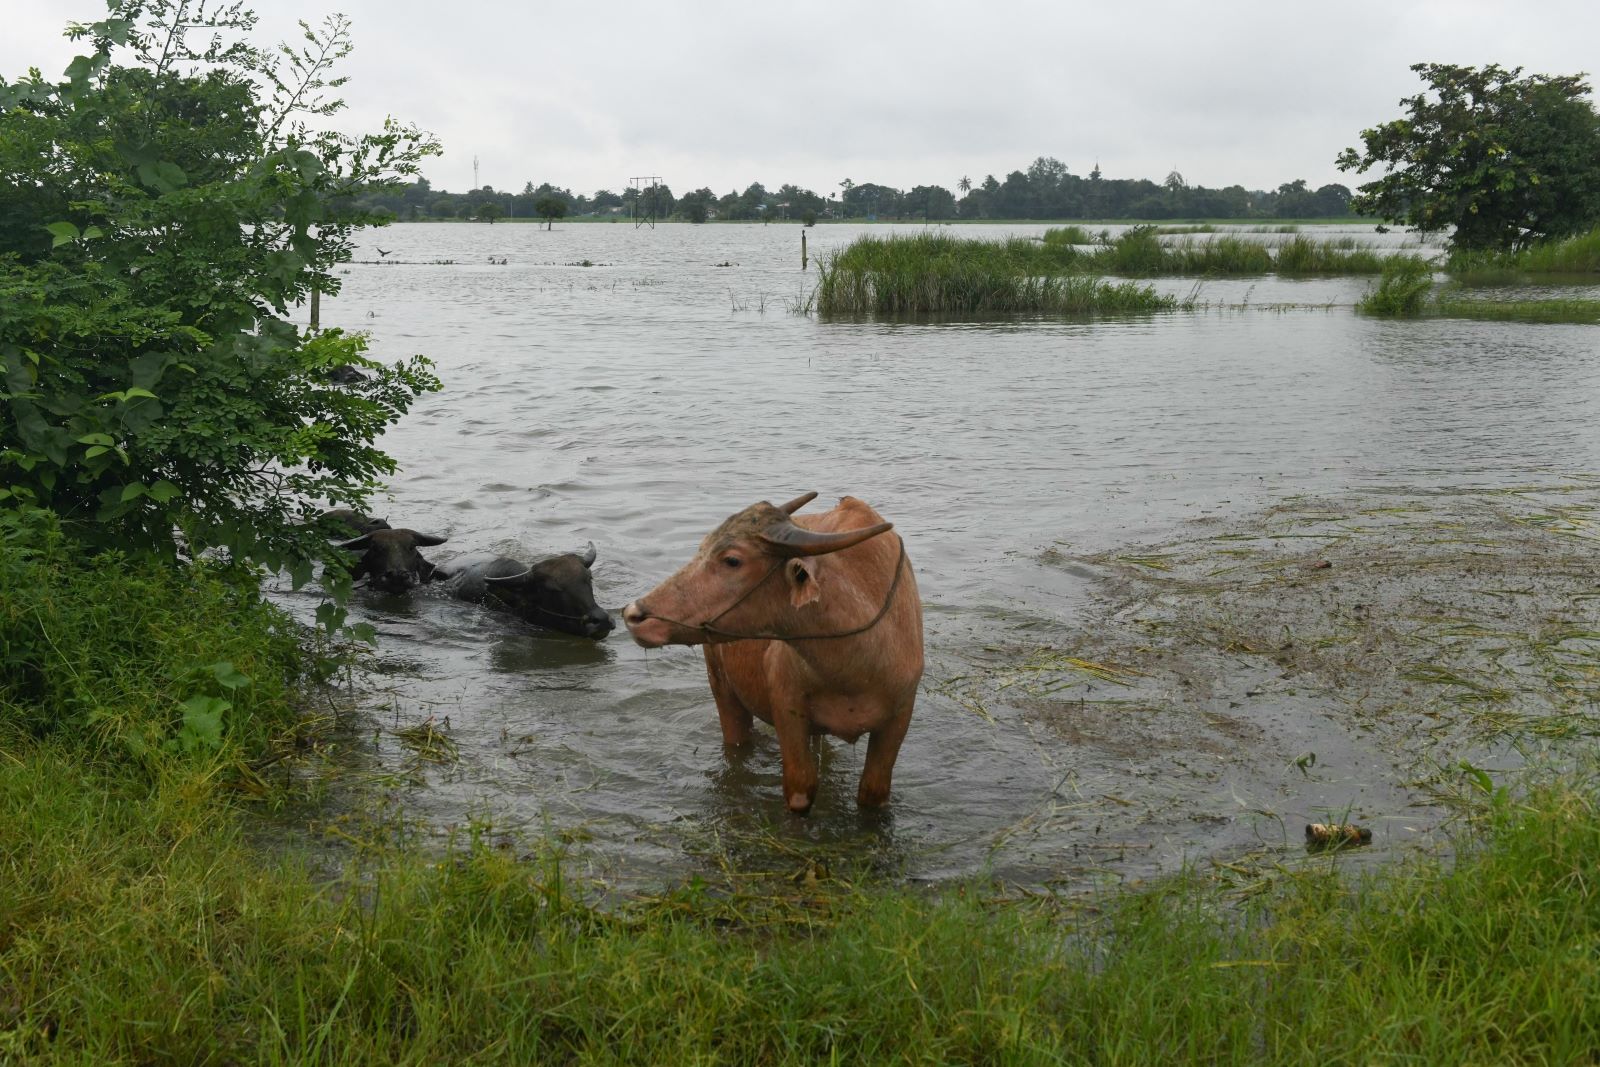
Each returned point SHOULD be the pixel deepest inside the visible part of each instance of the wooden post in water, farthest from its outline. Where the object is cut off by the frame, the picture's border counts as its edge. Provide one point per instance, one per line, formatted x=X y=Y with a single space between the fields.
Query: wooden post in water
x=316 y=308
x=802 y=248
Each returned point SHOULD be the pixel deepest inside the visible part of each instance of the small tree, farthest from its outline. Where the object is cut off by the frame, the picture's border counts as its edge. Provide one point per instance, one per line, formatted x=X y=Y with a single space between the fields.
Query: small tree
x=1501 y=159
x=166 y=208
x=550 y=208
x=488 y=211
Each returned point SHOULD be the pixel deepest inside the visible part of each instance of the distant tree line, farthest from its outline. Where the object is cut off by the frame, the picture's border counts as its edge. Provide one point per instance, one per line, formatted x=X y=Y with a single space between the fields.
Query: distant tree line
x=1046 y=190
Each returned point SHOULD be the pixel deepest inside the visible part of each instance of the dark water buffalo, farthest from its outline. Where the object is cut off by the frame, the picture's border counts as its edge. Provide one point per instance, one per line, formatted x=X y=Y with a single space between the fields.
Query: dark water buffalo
x=389 y=558
x=812 y=624
x=557 y=592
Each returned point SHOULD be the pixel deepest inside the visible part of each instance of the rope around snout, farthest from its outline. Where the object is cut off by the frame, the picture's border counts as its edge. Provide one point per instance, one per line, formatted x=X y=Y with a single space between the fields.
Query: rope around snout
x=710 y=627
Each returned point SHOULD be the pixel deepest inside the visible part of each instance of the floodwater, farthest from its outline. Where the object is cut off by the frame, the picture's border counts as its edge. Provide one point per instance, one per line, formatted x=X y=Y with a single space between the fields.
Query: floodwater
x=637 y=401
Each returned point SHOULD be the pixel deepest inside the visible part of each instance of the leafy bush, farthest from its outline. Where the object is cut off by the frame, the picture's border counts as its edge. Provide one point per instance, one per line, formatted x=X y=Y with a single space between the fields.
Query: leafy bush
x=166 y=209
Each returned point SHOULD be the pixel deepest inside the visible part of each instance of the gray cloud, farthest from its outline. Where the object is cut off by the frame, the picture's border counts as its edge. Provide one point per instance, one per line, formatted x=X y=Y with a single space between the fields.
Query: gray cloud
x=723 y=94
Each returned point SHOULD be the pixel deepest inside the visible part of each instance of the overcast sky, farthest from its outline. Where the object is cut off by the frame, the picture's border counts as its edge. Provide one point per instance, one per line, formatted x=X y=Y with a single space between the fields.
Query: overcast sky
x=726 y=93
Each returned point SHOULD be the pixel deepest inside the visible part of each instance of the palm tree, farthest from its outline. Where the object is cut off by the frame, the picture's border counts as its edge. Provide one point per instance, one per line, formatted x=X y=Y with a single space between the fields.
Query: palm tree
x=965 y=184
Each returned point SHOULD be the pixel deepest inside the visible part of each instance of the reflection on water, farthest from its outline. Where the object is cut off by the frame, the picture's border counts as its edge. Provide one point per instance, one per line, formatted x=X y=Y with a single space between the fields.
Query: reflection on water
x=637 y=403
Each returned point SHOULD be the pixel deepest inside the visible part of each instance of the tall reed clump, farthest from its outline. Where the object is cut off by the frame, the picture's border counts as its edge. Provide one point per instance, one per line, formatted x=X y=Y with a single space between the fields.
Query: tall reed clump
x=1402 y=291
x=1137 y=253
x=935 y=274
x=1069 y=235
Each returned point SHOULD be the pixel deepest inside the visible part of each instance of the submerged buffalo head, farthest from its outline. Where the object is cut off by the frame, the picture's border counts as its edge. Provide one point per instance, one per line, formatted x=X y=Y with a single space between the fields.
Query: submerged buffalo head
x=557 y=593
x=749 y=577
x=390 y=560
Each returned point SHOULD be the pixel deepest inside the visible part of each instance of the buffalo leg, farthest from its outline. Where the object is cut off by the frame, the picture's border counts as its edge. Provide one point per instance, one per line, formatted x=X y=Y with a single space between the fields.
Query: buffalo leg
x=735 y=717
x=882 y=748
x=799 y=770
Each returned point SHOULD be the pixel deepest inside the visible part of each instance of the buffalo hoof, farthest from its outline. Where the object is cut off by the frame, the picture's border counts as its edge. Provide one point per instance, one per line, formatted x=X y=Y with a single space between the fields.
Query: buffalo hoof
x=799 y=803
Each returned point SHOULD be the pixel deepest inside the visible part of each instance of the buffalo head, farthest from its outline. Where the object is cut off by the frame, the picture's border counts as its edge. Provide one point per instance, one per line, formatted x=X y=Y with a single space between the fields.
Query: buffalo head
x=390 y=560
x=748 y=580
x=557 y=593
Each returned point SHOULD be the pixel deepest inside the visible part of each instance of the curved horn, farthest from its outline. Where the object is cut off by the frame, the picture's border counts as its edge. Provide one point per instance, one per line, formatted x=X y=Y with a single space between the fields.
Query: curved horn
x=791 y=540
x=797 y=503
x=587 y=555
x=359 y=542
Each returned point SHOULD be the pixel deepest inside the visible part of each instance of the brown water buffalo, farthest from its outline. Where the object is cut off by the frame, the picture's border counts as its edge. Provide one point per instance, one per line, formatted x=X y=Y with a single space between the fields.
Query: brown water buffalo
x=389 y=558
x=811 y=623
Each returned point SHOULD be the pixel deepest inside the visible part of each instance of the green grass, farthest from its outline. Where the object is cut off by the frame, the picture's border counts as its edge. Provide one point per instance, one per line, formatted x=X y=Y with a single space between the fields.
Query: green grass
x=140 y=926
x=1573 y=255
x=111 y=652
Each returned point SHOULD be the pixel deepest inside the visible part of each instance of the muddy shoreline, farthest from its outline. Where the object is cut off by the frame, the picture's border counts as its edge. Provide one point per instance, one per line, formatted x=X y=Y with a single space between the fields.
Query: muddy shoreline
x=1351 y=658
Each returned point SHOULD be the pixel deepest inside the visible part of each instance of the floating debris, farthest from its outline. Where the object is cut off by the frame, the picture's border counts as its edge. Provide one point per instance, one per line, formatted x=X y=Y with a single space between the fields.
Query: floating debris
x=1336 y=835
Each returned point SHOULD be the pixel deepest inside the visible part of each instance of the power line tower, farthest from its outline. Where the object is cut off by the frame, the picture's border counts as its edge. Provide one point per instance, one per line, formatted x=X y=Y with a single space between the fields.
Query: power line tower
x=641 y=218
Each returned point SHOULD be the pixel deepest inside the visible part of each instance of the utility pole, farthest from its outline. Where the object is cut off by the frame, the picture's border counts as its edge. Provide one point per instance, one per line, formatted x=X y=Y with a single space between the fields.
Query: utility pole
x=475 y=183
x=640 y=189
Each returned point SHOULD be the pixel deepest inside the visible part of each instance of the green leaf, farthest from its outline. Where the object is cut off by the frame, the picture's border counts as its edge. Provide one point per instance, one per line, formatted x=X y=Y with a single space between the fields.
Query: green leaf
x=163 y=491
x=227 y=676
x=97 y=450
x=163 y=177
x=65 y=232
x=96 y=439
x=132 y=491
x=202 y=723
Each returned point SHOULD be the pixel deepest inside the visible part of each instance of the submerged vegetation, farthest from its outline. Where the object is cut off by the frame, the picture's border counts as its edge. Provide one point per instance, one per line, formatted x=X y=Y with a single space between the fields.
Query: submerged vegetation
x=932 y=273
x=1141 y=252
x=1453 y=305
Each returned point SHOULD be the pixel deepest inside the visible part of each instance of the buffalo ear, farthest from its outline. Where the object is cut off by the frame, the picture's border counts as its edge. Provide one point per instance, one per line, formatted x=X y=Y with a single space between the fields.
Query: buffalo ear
x=427 y=540
x=803 y=586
